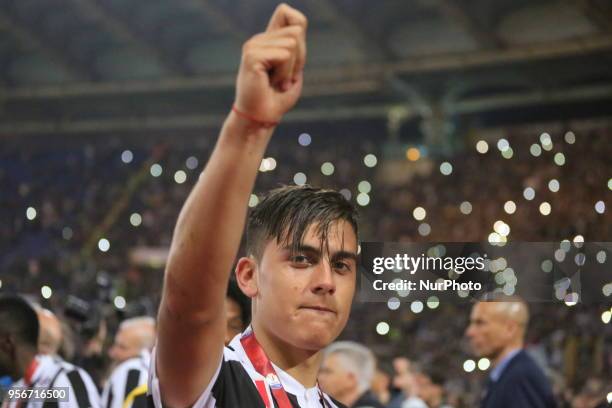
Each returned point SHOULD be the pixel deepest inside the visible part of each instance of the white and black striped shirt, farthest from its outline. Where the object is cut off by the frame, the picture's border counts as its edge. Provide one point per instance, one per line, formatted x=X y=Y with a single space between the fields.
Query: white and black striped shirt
x=233 y=385
x=124 y=379
x=53 y=372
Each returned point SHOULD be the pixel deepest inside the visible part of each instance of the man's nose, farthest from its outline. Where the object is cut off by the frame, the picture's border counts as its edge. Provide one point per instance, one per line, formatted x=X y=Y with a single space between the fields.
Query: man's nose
x=323 y=279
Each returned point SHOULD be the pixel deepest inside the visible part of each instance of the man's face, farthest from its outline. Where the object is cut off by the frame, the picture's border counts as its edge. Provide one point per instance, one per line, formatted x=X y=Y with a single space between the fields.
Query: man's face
x=235 y=325
x=304 y=298
x=334 y=379
x=488 y=331
x=126 y=345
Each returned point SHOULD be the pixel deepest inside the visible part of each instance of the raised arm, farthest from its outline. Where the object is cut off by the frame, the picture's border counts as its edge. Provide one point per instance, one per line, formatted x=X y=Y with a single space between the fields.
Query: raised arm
x=208 y=231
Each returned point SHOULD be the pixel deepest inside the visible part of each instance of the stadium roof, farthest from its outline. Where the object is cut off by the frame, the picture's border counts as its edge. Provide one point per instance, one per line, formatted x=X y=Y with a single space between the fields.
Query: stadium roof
x=78 y=66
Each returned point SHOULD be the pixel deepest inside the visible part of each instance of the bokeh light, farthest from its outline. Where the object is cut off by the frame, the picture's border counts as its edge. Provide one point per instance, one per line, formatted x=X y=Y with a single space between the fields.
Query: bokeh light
x=31 y=213
x=469 y=366
x=545 y=208
x=299 y=179
x=419 y=213
x=370 y=160
x=127 y=156
x=484 y=364
x=180 y=177
x=327 y=168
x=446 y=168
x=103 y=244
x=482 y=147
x=156 y=170
x=135 y=219
x=119 y=302
x=46 y=292
x=509 y=207
x=413 y=154
x=465 y=207
x=304 y=139
x=382 y=328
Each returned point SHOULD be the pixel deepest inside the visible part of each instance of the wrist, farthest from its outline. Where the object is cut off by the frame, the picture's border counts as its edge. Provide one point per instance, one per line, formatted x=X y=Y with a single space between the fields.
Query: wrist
x=243 y=130
x=255 y=120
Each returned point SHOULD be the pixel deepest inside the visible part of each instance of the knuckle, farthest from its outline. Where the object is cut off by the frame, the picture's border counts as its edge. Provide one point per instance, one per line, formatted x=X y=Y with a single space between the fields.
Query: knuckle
x=251 y=42
x=248 y=45
x=297 y=30
x=248 y=55
x=293 y=42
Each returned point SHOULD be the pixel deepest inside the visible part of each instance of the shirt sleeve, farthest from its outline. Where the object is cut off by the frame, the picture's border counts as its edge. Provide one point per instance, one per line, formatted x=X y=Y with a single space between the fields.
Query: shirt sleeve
x=204 y=400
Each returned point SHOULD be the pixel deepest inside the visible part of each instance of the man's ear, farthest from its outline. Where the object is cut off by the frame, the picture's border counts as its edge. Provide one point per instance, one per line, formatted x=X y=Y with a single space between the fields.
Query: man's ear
x=511 y=329
x=246 y=276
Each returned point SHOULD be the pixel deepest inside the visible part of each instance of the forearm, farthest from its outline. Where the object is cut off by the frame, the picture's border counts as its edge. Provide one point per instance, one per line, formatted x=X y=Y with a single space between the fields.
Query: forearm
x=210 y=225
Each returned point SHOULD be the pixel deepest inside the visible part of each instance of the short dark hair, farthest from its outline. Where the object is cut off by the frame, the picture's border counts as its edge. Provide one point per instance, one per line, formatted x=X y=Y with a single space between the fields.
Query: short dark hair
x=286 y=213
x=19 y=318
x=234 y=293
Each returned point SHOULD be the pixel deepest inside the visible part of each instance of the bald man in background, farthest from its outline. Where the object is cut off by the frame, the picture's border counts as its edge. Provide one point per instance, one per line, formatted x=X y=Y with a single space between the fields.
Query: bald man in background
x=131 y=357
x=50 y=336
x=497 y=332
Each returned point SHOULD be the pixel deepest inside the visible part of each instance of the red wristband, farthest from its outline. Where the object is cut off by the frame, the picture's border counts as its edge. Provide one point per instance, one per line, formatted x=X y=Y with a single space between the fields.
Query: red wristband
x=253 y=119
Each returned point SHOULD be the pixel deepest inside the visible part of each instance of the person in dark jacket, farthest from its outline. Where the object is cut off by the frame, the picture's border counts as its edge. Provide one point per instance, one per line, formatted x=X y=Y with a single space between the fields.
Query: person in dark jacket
x=497 y=332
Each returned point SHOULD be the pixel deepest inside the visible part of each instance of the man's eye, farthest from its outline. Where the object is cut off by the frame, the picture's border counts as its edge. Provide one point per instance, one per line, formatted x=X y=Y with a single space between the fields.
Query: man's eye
x=300 y=259
x=342 y=266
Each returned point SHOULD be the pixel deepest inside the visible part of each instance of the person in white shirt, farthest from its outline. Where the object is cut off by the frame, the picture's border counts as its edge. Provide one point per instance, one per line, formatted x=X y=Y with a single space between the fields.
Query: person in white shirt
x=299 y=268
x=131 y=357
x=66 y=385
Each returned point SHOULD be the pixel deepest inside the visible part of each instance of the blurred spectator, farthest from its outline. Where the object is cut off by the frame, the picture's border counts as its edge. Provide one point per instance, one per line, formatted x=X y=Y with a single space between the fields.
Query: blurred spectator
x=346 y=374
x=19 y=330
x=407 y=379
x=131 y=355
x=497 y=331
x=134 y=336
x=430 y=388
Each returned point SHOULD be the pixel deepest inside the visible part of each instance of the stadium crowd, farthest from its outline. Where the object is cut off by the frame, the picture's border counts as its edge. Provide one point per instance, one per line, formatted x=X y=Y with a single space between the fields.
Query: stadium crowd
x=87 y=223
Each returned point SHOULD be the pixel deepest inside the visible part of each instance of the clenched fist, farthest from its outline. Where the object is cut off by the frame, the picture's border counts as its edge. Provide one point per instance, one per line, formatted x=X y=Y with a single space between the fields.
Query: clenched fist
x=271 y=70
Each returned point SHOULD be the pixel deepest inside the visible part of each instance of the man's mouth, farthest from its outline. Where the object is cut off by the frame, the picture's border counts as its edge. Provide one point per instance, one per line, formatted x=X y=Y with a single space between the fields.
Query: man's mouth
x=321 y=309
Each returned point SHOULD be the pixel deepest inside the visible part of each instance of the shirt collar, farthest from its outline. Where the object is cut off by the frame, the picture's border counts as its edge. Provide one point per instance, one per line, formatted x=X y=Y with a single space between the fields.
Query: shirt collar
x=501 y=366
x=44 y=363
x=290 y=384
